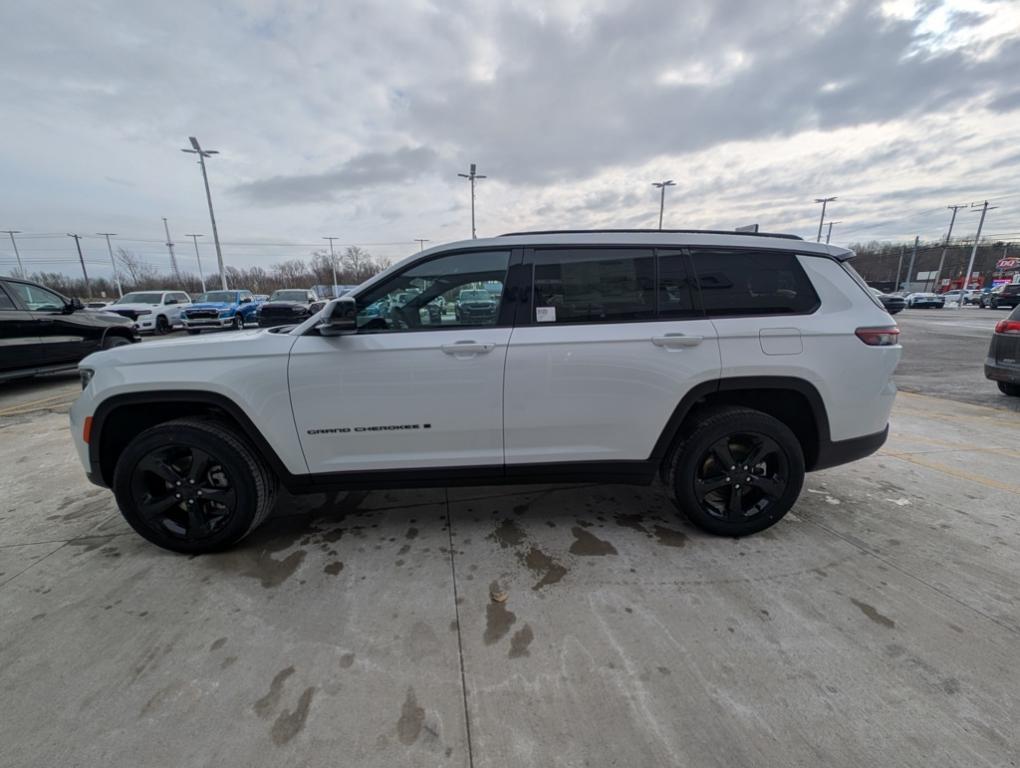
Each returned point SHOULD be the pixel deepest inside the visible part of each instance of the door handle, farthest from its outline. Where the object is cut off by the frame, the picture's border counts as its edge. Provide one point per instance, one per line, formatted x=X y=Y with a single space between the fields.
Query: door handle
x=677 y=340
x=466 y=348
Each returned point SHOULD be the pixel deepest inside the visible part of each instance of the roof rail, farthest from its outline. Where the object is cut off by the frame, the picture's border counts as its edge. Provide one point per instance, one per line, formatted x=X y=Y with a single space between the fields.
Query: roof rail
x=650 y=231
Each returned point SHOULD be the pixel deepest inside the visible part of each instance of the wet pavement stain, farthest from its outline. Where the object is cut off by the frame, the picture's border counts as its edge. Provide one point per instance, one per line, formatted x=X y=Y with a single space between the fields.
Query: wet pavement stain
x=520 y=641
x=589 y=545
x=227 y=662
x=669 y=537
x=539 y=563
x=498 y=621
x=290 y=724
x=872 y=613
x=507 y=534
x=412 y=533
x=634 y=522
x=90 y=544
x=334 y=568
x=264 y=707
x=217 y=644
x=347 y=661
x=412 y=717
x=272 y=572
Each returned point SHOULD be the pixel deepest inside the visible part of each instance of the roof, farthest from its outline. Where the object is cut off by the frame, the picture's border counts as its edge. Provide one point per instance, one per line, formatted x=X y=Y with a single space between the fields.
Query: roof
x=649 y=231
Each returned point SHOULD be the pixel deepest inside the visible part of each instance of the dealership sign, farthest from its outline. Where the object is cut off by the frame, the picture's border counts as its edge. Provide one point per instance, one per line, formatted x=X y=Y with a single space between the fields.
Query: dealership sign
x=1010 y=263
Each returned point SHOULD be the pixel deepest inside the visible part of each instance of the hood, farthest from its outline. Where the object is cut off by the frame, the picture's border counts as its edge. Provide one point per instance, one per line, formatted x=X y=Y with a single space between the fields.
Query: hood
x=240 y=344
x=212 y=305
x=133 y=307
x=272 y=304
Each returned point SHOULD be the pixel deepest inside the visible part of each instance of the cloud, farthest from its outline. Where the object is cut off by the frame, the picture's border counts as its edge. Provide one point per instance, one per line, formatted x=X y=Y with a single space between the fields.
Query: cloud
x=363 y=171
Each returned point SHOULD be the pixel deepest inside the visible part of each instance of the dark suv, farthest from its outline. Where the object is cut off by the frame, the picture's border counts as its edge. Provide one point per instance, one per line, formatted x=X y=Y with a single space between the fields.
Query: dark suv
x=1003 y=296
x=475 y=305
x=288 y=307
x=1003 y=363
x=42 y=331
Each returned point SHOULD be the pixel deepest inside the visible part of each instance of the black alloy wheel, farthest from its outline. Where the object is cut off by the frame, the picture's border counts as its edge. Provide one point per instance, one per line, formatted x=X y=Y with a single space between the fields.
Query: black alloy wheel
x=740 y=475
x=162 y=325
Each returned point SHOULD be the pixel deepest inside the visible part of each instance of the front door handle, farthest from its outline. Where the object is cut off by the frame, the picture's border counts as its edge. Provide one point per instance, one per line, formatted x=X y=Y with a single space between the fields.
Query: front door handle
x=677 y=340
x=466 y=348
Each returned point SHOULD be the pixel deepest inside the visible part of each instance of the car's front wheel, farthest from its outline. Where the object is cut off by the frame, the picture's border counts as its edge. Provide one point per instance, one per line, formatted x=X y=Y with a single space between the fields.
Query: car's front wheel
x=193 y=485
x=737 y=471
x=162 y=324
x=237 y=323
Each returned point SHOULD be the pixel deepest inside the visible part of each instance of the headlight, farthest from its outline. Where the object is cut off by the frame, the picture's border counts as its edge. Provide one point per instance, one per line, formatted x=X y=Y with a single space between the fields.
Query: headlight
x=86 y=376
x=144 y=312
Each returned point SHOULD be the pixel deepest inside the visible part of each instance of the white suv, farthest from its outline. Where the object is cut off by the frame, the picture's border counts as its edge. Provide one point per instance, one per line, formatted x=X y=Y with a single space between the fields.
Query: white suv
x=724 y=364
x=156 y=311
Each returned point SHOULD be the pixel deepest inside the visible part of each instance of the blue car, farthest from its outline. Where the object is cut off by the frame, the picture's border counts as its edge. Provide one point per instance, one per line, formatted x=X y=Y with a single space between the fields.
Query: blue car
x=220 y=309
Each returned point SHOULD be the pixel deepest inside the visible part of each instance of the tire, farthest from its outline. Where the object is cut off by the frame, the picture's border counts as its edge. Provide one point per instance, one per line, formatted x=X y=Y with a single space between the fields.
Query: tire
x=1013 y=390
x=163 y=458
x=237 y=323
x=162 y=325
x=114 y=341
x=193 y=331
x=734 y=433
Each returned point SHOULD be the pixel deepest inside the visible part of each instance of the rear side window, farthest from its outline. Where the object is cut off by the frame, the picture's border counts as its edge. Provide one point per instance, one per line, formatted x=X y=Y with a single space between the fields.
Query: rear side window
x=5 y=300
x=752 y=283
x=594 y=285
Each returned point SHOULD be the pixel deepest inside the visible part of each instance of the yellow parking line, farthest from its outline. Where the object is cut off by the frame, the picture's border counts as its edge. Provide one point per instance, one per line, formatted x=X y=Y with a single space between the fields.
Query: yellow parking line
x=956 y=472
x=907 y=437
x=46 y=402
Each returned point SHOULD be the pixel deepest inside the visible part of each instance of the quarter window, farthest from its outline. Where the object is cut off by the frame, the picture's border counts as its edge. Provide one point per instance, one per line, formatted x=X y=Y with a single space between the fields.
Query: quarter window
x=463 y=289
x=594 y=286
x=752 y=283
x=5 y=301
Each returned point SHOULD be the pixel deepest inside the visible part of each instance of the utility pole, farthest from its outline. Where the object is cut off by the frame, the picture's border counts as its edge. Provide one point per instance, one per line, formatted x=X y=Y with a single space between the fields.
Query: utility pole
x=661 y=185
x=899 y=268
x=332 y=261
x=116 y=274
x=201 y=277
x=945 y=245
x=472 y=176
x=170 y=247
x=421 y=243
x=196 y=149
x=913 y=257
x=81 y=258
x=828 y=235
x=21 y=267
x=985 y=208
x=824 y=201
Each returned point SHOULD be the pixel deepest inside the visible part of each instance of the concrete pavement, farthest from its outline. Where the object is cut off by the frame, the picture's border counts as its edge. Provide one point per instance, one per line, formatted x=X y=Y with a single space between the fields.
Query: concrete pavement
x=876 y=625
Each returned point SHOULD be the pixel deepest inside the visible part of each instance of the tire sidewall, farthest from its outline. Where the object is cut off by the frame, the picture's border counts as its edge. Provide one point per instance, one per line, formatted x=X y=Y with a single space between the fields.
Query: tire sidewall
x=237 y=470
x=701 y=440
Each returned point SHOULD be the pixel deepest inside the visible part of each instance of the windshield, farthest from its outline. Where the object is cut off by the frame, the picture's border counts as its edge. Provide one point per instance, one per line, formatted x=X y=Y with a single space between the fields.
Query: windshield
x=289 y=296
x=140 y=298
x=217 y=297
x=475 y=296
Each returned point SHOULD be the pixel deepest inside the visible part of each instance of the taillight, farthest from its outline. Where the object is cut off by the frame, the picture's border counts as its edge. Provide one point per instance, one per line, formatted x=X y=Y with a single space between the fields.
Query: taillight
x=879 y=337
x=1007 y=326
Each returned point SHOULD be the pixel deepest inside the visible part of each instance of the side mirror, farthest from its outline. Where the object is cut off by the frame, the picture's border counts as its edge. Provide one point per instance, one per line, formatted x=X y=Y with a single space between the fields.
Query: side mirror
x=340 y=318
x=74 y=305
x=171 y=301
x=246 y=300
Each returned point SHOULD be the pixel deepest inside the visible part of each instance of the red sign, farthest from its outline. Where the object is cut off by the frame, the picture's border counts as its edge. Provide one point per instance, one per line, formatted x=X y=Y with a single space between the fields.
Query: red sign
x=1010 y=263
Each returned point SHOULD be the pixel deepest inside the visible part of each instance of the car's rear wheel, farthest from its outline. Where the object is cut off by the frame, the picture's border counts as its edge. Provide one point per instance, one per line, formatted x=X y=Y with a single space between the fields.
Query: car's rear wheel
x=1013 y=390
x=114 y=340
x=193 y=485
x=162 y=324
x=736 y=471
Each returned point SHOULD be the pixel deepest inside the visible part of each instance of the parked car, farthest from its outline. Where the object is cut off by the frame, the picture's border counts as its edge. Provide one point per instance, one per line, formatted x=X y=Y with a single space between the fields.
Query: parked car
x=892 y=304
x=1003 y=363
x=260 y=297
x=925 y=300
x=155 y=311
x=1004 y=296
x=288 y=307
x=960 y=297
x=588 y=369
x=43 y=331
x=474 y=305
x=219 y=309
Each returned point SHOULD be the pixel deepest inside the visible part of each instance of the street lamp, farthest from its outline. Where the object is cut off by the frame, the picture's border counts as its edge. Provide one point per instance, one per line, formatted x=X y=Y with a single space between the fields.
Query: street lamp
x=201 y=277
x=824 y=201
x=662 y=195
x=196 y=149
x=472 y=176
x=332 y=262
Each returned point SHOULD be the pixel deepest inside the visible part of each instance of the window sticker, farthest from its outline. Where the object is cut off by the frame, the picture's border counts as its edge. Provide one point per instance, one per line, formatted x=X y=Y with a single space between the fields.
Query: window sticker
x=545 y=314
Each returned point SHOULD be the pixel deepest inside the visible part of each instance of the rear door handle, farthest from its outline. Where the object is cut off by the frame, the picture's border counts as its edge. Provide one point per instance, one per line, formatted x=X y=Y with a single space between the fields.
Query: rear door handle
x=677 y=340
x=466 y=348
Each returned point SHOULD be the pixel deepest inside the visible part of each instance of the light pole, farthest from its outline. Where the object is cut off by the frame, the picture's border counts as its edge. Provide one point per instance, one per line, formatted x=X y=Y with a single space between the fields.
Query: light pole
x=81 y=258
x=828 y=235
x=196 y=149
x=472 y=176
x=170 y=247
x=824 y=201
x=985 y=208
x=201 y=277
x=116 y=274
x=332 y=262
x=21 y=267
x=421 y=243
x=945 y=245
x=662 y=195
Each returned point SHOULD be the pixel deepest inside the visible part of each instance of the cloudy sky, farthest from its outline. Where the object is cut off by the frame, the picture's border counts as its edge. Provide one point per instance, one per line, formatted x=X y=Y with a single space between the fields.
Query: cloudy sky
x=353 y=119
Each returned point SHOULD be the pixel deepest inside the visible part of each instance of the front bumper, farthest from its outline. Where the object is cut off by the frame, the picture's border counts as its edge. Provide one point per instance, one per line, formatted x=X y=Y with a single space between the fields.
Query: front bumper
x=208 y=322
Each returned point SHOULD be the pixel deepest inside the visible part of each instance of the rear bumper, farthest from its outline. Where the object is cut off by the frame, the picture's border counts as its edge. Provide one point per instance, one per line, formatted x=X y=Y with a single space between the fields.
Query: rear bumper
x=998 y=372
x=832 y=453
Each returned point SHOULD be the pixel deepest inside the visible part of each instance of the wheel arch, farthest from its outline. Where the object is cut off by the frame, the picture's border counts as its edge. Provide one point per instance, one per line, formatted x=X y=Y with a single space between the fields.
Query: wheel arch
x=118 y=419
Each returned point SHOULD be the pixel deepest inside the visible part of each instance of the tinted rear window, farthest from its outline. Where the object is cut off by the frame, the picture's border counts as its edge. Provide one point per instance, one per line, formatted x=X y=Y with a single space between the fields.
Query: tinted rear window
x=594 y=286
x=752 y=283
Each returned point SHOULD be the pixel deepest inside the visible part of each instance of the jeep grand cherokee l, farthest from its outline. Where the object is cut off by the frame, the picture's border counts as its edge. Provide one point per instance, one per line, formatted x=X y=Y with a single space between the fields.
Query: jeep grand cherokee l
x=725 y=364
